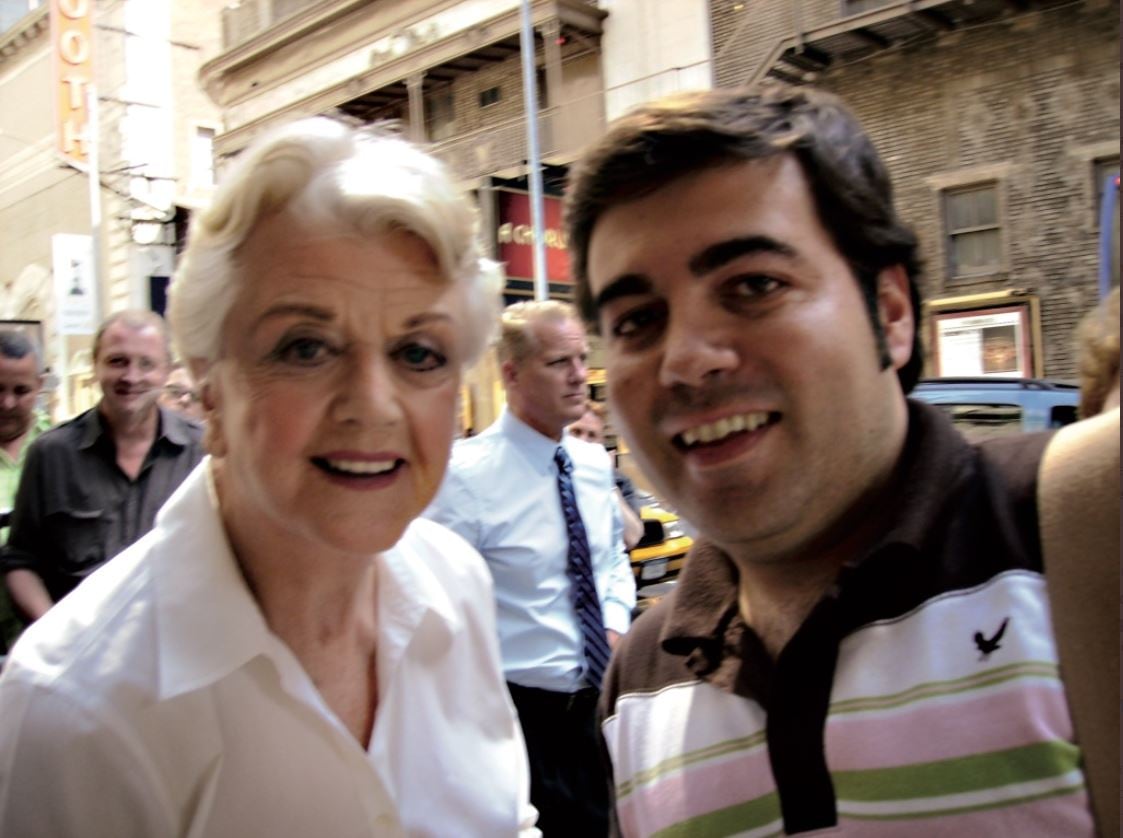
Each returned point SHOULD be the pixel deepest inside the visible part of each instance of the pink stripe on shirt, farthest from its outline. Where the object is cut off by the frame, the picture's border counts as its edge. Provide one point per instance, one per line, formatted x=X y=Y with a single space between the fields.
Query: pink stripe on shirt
x=953 y=726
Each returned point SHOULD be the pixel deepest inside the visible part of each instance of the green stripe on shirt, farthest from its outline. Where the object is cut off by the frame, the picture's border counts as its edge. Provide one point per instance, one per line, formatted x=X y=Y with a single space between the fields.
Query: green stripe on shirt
x=668 y=766
x=733 y=820
x=931 y=689
x=977 y=772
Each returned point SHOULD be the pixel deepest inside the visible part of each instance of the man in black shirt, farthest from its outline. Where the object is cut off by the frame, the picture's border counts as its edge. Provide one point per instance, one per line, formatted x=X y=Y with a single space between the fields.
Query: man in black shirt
x=92 y=486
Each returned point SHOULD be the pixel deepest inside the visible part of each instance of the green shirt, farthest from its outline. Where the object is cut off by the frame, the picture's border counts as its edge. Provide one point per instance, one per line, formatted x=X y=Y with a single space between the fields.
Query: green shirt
x=9 y=482
x=10 y=469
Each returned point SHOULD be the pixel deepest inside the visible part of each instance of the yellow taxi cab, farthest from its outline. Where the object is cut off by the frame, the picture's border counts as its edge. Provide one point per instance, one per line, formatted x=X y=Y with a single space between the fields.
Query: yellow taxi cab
x=660 y=554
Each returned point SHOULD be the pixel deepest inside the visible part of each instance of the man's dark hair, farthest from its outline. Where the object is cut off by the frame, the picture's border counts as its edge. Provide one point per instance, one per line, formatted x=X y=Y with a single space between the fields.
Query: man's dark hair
x=16 y=345
x=686 y=133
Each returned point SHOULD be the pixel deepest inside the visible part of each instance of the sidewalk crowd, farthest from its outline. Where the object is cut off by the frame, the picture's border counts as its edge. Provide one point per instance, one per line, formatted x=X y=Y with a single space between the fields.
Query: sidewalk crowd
x=262 y=590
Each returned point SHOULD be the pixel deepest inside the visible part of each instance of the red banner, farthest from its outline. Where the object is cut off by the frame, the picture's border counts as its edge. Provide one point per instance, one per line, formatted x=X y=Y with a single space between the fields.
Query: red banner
x=514 y=236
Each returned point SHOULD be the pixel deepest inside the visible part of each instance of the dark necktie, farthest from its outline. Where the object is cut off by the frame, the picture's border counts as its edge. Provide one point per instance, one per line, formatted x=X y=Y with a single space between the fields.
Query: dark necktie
x=579 y=568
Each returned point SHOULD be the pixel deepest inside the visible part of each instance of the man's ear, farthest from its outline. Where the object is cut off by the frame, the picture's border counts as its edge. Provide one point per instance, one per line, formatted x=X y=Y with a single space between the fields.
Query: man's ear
x=894 y=310
x=509 y=372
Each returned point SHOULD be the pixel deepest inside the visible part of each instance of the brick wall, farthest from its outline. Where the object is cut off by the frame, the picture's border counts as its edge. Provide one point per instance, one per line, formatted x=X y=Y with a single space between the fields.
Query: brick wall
x=1033 y=97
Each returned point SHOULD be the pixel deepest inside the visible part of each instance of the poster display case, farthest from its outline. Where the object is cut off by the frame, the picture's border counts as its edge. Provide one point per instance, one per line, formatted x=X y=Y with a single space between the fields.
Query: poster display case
x=996 y=335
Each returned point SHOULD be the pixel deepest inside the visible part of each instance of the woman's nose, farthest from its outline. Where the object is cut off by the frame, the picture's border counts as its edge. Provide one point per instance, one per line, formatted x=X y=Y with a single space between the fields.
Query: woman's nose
x=368 y=391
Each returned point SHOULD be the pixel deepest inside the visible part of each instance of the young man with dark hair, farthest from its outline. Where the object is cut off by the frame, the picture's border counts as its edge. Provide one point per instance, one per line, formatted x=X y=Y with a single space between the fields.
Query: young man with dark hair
x=861 y=636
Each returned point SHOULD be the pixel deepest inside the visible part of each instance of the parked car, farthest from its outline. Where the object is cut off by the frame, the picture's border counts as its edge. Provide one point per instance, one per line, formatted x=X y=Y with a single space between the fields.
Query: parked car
x=985 y=407
x=659 y=556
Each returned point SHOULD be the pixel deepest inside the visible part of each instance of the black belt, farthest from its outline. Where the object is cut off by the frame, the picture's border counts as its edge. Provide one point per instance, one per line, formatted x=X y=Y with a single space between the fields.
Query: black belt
x=558 y=702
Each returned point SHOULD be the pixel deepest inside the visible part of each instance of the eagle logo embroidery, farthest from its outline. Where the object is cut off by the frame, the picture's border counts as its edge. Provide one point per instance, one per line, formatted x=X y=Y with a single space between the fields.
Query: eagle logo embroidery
x=988 y=645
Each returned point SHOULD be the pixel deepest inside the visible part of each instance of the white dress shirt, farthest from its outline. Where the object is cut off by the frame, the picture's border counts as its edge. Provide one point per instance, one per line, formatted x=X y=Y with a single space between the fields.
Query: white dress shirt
x=155 y=701
x=501 y=494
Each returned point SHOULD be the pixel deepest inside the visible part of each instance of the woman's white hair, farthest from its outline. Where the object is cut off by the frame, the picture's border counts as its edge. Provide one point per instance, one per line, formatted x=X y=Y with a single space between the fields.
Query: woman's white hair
x=329 y=176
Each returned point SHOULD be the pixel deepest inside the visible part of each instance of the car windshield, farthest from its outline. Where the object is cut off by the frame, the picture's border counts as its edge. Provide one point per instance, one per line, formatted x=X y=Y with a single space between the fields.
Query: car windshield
x=983 y=421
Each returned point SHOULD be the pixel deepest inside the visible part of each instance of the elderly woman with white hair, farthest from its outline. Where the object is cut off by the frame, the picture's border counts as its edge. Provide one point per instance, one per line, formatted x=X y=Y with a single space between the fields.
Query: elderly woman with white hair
x=292 y=651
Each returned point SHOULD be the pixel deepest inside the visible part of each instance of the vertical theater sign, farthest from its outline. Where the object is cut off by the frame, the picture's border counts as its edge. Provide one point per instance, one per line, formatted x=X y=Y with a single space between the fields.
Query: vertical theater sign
x=72 y=59
x=75 y=255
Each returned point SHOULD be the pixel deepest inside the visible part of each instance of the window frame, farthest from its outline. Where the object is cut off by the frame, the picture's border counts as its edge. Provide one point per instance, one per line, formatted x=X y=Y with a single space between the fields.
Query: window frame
x=498 y=89
x=1101 y=168
x=950 y=234
x=440 y=114
x=196 y=170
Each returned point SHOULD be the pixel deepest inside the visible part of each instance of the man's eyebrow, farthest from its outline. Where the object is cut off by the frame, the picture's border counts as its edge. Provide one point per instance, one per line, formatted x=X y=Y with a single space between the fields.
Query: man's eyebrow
x=717 y=255
x=623 y=286
x=710 y=259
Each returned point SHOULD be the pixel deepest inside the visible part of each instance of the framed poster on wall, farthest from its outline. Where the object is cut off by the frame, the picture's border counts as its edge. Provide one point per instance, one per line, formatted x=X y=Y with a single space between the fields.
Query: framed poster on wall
x=987 y=336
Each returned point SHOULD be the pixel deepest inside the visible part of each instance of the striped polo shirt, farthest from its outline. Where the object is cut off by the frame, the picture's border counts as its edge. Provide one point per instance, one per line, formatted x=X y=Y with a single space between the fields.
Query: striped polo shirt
x=920 y=696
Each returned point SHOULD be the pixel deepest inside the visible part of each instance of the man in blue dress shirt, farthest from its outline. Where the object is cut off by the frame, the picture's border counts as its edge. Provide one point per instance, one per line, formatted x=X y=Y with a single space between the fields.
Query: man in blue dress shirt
x=501 y=493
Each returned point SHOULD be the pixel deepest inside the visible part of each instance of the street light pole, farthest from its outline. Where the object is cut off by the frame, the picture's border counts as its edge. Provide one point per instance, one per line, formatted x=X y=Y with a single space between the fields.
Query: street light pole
x=93 y=143
x=534 y=176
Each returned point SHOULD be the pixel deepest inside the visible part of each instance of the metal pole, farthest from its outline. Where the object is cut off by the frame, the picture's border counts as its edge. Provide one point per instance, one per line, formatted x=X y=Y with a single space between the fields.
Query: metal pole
x=534 y=176
x=94 y=179
x=92 y=142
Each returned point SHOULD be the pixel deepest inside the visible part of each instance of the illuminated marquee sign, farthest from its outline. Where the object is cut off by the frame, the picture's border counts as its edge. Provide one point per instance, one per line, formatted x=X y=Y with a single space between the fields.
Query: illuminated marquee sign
x=514 y=237
x=72 y=60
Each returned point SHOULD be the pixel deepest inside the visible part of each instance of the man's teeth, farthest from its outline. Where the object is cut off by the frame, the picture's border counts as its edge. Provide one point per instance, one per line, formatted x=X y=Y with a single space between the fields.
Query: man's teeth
x=724 y=427
x=362 y=466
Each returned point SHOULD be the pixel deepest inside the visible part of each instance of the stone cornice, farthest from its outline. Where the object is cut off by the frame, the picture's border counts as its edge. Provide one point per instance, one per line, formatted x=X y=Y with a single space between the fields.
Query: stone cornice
x=262 y=47
x=31 y=27
x=291 y=28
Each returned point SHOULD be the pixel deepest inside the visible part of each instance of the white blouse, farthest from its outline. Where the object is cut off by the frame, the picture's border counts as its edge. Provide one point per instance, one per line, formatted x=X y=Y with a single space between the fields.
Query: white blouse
x=155 y=701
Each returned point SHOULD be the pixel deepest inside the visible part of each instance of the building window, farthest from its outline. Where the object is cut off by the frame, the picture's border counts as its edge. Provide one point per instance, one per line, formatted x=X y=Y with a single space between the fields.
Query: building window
x=1101 y=170
x=489 y=97
x=440 y=119
x=542 y=89
x=202 y=157
x=974 y=234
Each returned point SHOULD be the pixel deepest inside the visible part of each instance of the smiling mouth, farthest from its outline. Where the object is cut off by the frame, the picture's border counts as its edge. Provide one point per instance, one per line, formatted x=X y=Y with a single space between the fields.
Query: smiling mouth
x=723 y=429
x=357 y=468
